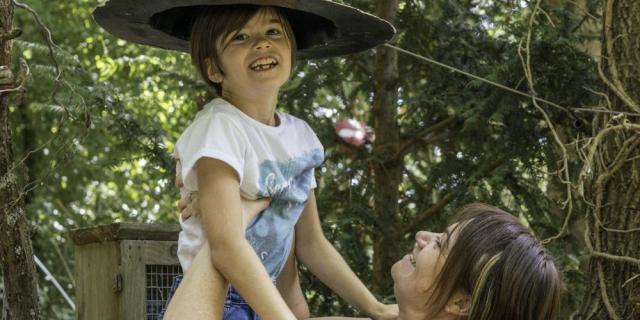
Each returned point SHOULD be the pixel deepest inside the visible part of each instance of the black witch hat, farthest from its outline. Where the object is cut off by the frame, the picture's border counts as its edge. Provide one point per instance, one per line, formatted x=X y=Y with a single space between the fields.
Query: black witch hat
x=322 y=28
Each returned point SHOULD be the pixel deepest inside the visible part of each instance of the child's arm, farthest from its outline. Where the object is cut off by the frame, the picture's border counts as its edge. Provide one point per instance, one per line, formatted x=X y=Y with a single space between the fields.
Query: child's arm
x=219 y=191
x=289 y=286
x=323 y=260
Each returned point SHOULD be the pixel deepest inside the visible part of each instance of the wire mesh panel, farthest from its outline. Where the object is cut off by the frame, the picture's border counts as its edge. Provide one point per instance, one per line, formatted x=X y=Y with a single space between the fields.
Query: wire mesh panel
x=159 y=279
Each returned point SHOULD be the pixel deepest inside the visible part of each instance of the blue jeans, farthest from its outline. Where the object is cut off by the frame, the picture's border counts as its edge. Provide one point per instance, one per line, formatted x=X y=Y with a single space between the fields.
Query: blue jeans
x=235 y=307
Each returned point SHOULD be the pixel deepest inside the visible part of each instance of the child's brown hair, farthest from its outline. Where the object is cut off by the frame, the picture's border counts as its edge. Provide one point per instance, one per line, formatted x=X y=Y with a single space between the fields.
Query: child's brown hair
x=217 y=22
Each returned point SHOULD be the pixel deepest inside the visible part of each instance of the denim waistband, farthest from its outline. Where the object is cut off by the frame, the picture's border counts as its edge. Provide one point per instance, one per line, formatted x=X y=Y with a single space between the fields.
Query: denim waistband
x=233 y=297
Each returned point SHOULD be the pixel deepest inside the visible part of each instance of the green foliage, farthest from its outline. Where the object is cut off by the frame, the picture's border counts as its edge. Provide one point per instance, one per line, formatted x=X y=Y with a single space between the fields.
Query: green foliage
x=97 y=126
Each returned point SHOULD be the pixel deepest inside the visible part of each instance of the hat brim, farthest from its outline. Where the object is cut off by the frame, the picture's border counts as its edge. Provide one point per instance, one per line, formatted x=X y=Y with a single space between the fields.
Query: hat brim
x=322 y=28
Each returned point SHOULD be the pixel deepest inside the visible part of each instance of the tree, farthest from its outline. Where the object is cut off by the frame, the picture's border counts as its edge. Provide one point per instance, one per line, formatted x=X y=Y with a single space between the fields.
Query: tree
x=18 y=267
x=610 y=178
x=97 y=126
x=388 y=166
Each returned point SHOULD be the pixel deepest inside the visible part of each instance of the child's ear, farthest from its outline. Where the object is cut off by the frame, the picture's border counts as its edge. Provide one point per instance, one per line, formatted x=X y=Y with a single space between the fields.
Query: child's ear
x=459 y=304
x=213 y=72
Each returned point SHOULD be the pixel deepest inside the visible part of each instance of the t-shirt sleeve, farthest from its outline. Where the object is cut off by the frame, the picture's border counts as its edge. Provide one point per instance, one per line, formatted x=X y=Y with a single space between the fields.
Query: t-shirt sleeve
x=314 y=183
x=317 y=152
x=211 y=136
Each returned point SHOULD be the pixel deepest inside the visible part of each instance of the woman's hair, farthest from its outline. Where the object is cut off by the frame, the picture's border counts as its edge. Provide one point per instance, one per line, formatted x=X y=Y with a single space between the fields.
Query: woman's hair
x=501 y=265
x=214 y=23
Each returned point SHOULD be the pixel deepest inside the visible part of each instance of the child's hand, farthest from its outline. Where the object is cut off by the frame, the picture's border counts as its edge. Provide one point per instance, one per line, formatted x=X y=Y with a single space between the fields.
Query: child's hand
x=386 y=312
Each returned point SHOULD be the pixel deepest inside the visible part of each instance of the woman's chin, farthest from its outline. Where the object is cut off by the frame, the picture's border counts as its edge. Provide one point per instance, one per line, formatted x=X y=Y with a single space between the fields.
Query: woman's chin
x=394 y=269
x=399 y=268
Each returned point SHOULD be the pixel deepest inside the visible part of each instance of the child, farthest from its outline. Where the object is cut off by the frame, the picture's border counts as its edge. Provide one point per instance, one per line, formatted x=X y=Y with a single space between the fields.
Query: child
x=240 y=146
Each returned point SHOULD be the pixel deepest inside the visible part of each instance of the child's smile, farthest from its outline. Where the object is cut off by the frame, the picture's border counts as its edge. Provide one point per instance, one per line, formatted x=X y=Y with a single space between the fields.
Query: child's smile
x=263 y=64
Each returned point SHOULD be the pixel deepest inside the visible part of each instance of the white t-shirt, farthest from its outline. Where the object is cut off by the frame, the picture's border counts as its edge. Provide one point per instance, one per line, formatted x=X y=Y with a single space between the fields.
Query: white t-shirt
x=275 y=162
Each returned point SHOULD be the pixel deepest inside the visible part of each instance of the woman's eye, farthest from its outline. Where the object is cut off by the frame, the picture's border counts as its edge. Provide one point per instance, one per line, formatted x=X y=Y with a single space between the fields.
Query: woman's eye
x=274 y=32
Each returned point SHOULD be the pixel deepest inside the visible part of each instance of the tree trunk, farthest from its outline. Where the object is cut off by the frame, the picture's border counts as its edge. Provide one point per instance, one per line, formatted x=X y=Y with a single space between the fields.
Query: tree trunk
x=586 y=24
x=16 y=253
x=388 y=166
x=613 y=288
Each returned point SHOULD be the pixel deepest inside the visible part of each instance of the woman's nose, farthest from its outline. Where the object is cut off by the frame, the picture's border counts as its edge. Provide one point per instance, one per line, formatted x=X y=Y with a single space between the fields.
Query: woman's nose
x=423 y=238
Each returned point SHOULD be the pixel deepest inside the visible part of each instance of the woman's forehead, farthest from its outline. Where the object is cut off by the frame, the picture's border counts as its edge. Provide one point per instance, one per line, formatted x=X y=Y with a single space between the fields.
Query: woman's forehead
x=453 y=230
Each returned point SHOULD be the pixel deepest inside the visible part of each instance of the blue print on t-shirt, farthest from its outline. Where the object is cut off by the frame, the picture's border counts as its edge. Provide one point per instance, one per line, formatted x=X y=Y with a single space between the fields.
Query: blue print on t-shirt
x=287 y=183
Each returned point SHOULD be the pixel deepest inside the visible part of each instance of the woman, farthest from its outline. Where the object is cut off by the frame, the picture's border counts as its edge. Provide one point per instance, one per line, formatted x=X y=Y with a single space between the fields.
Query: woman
x=486 y=265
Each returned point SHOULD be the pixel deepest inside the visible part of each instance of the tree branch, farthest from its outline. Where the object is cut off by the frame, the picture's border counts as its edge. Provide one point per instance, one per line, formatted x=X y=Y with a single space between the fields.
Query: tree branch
x=450 y=196
x=422 y=136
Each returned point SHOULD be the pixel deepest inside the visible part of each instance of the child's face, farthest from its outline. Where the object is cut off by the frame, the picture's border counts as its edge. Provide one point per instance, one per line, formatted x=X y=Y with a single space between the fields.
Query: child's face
x=255 y=59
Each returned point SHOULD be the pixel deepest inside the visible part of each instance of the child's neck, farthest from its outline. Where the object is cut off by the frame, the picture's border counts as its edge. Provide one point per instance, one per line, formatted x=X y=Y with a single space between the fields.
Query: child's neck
x=261 y=108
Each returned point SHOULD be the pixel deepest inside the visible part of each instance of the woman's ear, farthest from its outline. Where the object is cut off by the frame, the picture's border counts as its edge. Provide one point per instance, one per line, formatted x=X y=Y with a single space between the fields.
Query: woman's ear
x=459 y=304
x=213 y=72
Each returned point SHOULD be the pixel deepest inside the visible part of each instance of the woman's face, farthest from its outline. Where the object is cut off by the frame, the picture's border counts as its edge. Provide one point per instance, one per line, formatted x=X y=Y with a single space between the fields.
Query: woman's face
x=416 y=272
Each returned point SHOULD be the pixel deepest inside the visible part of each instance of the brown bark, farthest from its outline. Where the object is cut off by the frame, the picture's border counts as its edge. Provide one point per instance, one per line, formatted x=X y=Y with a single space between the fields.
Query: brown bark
x=586 y=24
x=16 y=253
x=388 y=166
x=614 y=189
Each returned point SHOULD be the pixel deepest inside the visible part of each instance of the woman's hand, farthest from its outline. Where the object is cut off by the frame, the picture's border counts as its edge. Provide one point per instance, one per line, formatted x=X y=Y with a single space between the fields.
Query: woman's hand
x=189 y=205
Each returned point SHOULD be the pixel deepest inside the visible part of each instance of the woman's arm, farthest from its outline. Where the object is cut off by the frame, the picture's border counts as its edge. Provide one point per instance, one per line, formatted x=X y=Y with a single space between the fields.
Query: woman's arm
x=235 y=259
x=323 y=260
